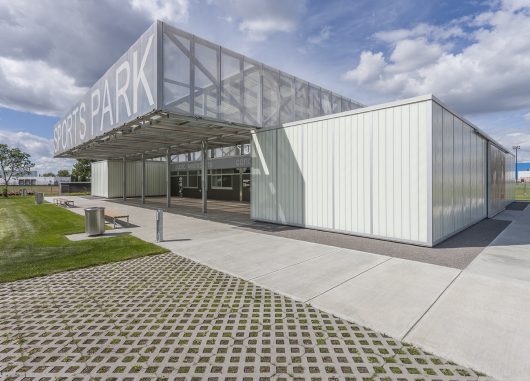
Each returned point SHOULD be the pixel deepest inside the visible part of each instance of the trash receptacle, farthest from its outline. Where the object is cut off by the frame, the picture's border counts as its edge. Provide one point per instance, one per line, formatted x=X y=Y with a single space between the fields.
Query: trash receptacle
x=94 y=221
x=39 y=198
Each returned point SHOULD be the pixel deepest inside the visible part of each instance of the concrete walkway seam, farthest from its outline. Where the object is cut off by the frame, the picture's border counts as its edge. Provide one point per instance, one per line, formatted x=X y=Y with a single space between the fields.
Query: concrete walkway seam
x=432 y=304
x=347 y=280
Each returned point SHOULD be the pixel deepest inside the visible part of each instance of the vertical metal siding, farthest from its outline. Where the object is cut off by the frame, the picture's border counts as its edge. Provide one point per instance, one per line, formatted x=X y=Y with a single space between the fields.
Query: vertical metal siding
x=501 y=179
x=459 y=167
x=99 y=179
x=263 y=175
x=155 y=178
x=364 y=174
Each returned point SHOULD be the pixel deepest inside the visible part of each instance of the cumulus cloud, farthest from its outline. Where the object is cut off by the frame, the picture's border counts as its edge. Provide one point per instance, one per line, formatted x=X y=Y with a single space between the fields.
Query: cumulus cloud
x=40 y=149
x=492 y=73
x=167 y=10
x=527 y=117
x=36 y=87
x=258 y=19
x=52 y=49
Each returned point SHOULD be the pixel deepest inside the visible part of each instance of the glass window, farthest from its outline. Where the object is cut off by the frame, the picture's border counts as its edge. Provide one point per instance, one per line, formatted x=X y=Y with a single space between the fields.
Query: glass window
x=222 y=178
x=193 y=179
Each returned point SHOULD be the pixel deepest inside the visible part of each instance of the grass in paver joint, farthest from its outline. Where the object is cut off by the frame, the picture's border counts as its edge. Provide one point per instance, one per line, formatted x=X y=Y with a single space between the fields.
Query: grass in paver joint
x=33 y=242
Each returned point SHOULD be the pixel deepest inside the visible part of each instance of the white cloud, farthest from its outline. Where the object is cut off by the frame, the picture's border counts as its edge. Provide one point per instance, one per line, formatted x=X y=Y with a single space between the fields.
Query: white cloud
x=323 y=35
x=167 y=10
x=527 y=117
x=36 y=87
x=369 y=69
x=40 y=149
x=259 y=28
x=53 y=49
x=491 y=74
x=258 y=19
x=433 y=32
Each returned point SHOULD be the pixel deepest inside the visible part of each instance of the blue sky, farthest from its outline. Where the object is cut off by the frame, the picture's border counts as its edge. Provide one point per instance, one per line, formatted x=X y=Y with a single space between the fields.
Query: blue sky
x=474 y=55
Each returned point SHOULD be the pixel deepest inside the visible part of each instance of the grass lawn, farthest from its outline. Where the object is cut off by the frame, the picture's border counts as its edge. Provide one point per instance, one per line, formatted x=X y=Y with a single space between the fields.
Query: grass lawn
x=32 y=241
x=522 y=191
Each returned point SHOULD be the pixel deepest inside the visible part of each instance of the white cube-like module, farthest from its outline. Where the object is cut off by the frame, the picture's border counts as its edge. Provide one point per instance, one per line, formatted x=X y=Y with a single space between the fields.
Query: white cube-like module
x=409 y=171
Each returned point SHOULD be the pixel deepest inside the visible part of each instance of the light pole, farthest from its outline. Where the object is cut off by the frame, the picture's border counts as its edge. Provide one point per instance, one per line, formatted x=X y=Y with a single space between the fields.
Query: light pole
x=516 y=148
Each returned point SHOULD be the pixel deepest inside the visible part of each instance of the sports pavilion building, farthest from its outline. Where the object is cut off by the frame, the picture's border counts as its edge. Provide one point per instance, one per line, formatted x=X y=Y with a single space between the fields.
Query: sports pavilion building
x=175 y=106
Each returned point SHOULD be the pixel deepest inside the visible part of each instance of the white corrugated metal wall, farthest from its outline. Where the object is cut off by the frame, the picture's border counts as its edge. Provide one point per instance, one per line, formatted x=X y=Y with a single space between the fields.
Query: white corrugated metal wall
x=459 y=174
x=501 y=168
x=99 y=179
x=107 y=178
x=365 y=173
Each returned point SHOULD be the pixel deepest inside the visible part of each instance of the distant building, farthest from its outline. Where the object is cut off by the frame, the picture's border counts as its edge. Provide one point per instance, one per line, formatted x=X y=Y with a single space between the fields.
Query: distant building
x=33 y=178
x=524 y=176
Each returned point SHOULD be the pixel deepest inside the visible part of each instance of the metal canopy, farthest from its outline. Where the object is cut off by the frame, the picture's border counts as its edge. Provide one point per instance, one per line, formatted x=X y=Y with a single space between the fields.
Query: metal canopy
x=158 y=131
x=171 y=90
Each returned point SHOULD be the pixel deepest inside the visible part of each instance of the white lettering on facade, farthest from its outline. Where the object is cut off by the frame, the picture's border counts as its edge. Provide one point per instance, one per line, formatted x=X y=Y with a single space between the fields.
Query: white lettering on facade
x=95 y=110
x=74 y=117
x=69 y=129
x=63 y=134
x=107 y=107
x=122 y=91
x=139 y=75
x=129 y=92
x=82 y=109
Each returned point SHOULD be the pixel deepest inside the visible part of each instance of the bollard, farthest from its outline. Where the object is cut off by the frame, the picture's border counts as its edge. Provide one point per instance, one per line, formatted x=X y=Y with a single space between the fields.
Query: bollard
x=159 y=225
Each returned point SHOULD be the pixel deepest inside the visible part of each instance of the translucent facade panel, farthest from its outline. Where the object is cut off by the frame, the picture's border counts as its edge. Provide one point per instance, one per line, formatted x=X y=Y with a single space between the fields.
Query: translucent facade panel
x=336 y=105
x=301 y=100
x=231 y=87
x=326 y=104
x=314 y=101
x=177 y=73
x=252 y=91
x=271 y=98
x=345 y=106
x=286 y=98
x=206 y=80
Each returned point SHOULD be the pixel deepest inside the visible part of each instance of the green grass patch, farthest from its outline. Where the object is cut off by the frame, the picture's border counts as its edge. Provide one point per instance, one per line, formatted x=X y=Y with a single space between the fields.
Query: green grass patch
x=33 y=242
x=522 y=191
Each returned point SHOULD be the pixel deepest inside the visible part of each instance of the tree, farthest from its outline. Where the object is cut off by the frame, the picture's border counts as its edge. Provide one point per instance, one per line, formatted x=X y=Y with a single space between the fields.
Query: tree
x=13 y=162
x=48 y=174
x=63 y=173
x=82 y=170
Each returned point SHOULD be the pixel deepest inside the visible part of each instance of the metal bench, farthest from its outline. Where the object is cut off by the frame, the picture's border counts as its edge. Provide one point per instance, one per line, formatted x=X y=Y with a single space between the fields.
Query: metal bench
x=63 y=202
x=114 y=216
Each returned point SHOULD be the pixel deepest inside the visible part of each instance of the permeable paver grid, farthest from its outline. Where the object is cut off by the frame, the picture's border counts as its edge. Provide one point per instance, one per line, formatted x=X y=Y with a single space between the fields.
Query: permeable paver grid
x=166 y=317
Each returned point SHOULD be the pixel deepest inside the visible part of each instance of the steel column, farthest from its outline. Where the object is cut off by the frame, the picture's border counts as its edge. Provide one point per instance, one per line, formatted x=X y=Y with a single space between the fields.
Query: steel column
x=143 y=179
x=124 y=179
x=204 y=177
x=241 y=175
x=168 y=178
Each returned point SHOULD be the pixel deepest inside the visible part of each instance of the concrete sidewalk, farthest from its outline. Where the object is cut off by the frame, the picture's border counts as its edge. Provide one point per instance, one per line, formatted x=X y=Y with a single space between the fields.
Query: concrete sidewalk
x=478 y=316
